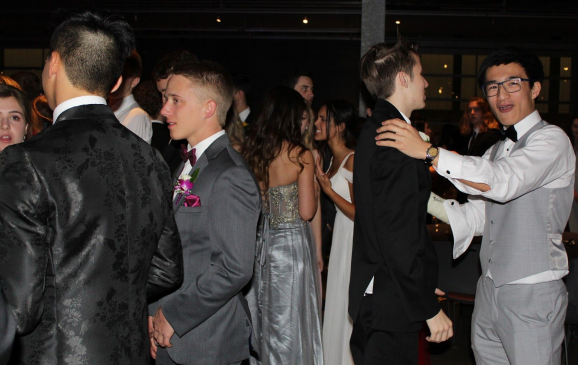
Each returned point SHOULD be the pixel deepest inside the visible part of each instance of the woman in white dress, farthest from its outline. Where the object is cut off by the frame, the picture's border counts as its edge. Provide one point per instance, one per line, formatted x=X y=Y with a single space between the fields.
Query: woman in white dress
x=335 y=121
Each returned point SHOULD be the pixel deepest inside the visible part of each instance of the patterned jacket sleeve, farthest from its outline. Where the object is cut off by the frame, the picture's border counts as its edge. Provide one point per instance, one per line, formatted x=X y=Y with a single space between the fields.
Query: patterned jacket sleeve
x=24 y=237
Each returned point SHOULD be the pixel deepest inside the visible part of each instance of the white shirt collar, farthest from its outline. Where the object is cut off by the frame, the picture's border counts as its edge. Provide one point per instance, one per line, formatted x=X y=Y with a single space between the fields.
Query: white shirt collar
x=126 y=103
x=80 y=100
x=244 y=114
x=202 y=146
x=404 y=117
x=525 y=124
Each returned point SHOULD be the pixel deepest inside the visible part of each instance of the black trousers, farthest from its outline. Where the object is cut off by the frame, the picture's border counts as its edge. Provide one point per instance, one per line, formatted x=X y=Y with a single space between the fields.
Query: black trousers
x=373 y=347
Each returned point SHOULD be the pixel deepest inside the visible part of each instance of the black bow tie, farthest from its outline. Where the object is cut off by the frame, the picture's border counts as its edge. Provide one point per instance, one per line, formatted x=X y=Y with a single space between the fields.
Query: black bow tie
x=510 y=133
x=188 y=156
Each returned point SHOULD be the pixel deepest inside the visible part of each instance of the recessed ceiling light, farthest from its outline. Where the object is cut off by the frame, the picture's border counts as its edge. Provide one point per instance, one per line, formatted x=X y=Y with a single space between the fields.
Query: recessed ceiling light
x=305 y=20
x=397 y=22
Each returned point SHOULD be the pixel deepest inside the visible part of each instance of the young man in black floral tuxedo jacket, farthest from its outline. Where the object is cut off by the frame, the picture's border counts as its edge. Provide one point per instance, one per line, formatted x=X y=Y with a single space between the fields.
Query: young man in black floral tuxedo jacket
x=87 y=231
x=207 y=320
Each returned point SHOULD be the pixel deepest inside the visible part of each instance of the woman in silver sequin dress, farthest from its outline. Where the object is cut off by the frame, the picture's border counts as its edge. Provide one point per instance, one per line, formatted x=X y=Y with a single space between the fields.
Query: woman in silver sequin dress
x=284 y=297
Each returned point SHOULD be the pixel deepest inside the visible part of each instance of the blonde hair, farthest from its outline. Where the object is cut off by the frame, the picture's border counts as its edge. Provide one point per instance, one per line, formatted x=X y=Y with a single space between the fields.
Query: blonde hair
x=308 y=136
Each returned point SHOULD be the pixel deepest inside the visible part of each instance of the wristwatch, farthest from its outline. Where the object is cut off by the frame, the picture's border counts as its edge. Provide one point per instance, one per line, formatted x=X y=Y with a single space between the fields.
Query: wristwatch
x=431 y=153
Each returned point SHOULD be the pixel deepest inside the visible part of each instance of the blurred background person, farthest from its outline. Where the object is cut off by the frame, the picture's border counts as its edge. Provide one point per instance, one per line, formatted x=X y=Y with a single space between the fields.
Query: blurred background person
x=15 y=114
x=241 y=97
x=334 y=122
x=234 y=129
x=284 y=296
x=479 y=127
x=123 y=103
x=302 y=82
x=150 y=100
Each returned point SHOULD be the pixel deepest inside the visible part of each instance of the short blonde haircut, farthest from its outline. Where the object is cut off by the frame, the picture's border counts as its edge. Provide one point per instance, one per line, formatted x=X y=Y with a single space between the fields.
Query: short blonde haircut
x=210 y=82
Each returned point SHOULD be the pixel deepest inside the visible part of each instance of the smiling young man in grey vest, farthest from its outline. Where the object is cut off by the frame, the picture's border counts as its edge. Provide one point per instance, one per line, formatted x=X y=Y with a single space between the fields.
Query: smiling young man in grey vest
x=521 y=193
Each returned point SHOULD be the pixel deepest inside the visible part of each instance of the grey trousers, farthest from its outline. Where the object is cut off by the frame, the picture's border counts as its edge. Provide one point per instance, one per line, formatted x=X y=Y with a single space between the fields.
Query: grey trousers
x=519 y=324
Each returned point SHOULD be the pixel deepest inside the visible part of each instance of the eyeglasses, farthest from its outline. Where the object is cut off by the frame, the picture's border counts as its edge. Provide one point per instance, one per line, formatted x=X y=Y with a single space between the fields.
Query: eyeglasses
x=510 y=86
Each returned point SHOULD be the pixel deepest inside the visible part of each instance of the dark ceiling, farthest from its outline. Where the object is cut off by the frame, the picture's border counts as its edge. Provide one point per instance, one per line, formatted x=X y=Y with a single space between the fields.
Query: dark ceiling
x=436 y=24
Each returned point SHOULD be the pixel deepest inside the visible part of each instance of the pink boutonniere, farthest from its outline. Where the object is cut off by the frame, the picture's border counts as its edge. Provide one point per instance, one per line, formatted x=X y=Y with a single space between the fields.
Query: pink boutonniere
x=184 y=187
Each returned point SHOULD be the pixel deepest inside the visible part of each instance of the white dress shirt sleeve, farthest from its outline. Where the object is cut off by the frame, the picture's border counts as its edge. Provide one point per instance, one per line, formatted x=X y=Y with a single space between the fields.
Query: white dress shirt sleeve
x=466 y=220
x=546 y=160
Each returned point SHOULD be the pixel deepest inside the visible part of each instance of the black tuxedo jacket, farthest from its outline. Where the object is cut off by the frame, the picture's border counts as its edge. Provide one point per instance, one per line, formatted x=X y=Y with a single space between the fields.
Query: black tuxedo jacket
x=87 y=233
x=483 y=141
x=390 y=239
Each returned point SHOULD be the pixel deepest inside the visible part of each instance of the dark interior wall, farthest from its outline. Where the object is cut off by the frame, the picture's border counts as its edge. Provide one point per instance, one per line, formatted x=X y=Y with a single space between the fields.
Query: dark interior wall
x=334 y=63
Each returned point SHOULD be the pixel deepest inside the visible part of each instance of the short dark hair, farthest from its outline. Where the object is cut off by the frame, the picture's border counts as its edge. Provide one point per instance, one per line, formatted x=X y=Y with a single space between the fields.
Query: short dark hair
x=243 y=83
x=523 y=57
x=381 y=64
x=148 y=97
x=165 y=67
x=93 y=45
x=7 y=91
x=210 y=81
x=132 y=65
x=292 y=77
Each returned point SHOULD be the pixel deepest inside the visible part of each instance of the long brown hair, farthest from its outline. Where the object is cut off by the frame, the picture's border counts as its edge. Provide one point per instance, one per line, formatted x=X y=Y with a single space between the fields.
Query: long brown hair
x=489 y=119
x=279 y=122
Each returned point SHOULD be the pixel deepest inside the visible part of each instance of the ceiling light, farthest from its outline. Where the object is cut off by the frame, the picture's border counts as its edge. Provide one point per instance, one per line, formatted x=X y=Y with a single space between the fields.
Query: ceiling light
x=566 y=68
x=305 y=20
x=218 y=19
x=397 y=22
x=445 y=66
x=440 y=90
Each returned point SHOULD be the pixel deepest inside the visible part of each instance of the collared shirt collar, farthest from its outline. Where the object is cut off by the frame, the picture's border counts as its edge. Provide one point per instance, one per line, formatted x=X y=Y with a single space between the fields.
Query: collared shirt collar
x=127 y=102
x=404 y=117
x=525 y=124
x=80 y=100
x=244 y=114
x=202 y=146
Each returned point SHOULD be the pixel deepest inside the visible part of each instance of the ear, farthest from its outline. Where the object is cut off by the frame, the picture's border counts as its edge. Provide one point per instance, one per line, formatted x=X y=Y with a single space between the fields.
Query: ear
x=134 y=82
x=403 y=79
x=210 y=108
x=117 y=85
x=536 y=90
x=54 y=62
x=340 y=128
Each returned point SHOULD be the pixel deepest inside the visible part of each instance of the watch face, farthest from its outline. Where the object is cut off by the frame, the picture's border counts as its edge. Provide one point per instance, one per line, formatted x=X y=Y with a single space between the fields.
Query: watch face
x=432 y=153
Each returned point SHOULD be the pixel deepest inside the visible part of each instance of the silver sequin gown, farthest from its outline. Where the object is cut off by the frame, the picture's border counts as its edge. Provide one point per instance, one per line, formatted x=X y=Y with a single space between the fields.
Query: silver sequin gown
x=285 y=293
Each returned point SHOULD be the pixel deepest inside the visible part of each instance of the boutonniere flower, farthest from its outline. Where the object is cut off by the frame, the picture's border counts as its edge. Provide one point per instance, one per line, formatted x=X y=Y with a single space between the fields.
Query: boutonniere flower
x=184 y=187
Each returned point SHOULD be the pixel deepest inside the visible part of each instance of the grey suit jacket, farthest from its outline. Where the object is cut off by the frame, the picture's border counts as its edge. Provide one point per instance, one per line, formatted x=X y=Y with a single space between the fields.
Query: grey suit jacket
x=208 y=313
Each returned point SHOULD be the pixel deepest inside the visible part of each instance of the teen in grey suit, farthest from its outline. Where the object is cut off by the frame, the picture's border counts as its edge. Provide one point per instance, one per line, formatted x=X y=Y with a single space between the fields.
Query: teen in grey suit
x=523 y=189
x=206 y=321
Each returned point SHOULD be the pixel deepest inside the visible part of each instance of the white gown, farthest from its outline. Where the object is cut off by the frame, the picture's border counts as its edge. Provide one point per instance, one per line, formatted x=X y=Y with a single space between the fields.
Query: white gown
x=337 y=325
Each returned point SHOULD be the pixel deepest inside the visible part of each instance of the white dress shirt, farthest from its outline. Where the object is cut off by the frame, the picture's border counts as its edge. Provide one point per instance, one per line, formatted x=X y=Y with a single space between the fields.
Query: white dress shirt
x=134 y=118
x=200 y=148
x=369 y=289
x=547 y=160
x=244 y=114
x=78 y=101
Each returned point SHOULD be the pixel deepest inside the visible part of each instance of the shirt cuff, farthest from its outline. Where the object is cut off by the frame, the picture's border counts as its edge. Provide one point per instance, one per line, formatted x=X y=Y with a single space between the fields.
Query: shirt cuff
x=451 y=166
x=462 y=233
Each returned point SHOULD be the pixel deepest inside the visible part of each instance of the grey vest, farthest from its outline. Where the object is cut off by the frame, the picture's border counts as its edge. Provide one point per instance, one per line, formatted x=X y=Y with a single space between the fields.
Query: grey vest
x=523 y=236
